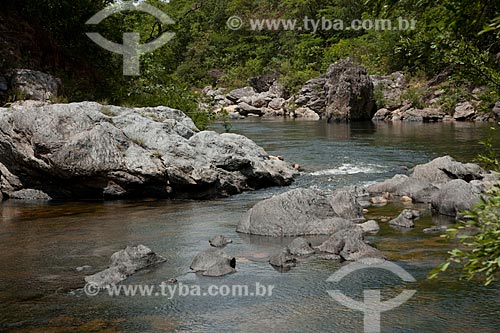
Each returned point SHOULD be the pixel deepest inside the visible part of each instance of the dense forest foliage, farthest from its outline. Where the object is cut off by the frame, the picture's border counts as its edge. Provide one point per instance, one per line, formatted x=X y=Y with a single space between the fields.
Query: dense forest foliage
x=457 y=37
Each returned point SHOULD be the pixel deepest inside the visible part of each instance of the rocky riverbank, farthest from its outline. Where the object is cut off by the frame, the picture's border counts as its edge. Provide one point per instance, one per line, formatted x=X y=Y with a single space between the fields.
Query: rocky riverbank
x=93 y=151
x=346 y=92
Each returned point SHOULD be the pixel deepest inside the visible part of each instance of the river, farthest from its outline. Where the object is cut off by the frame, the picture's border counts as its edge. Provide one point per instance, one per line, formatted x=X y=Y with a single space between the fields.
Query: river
x=42 y=244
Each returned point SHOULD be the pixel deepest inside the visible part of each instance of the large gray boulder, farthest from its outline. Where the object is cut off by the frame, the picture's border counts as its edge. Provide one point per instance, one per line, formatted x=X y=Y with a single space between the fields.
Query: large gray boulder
x=454 y=197
x=33 y=85
x=344 y=93
x=88 y=150
x=123 y=264
x=213 y=262
x=443 y=169
x=349 y=92
x=298 y=212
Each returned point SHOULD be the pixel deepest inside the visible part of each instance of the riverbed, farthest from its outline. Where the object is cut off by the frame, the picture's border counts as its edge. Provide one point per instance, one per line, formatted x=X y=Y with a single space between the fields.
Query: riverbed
x=41 y=245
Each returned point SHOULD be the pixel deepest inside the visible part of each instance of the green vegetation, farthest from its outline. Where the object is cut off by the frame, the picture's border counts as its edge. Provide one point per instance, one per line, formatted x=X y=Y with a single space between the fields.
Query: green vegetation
x=479 y=235
x=459 y=37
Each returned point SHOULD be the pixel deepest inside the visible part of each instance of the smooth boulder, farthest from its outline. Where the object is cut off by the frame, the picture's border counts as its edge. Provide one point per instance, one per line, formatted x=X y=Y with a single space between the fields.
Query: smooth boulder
x=444 y=169
x=298 y=212
x=213 y=262
x=454 y=197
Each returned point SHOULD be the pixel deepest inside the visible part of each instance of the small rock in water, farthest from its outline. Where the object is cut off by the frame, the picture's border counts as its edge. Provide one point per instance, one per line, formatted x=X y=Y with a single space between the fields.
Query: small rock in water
x=406 y=199
x=213 y=262
x=220 y=241
x=83 y=268
x=283 y=260
x=435 y=229
x=379 y=201
x=405 y=219
x=171 y=281
x=370 y=226
x=300 y=247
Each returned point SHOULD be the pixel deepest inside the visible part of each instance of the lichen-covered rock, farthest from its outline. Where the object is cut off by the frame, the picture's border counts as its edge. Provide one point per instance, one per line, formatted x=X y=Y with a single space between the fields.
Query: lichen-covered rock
x=349 y=92
x=90 y=151
x=34 y=85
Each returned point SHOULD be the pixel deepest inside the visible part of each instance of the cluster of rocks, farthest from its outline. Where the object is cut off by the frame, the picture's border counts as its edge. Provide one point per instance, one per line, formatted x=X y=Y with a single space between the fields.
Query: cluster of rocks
x=448 y=186
x=395 y=106
x=29 y=85
x=92 y=151
x=346 y=92
x=343 y=93
x=259 y=100
x=123 y=264
x=306 y=212
x=214 y=261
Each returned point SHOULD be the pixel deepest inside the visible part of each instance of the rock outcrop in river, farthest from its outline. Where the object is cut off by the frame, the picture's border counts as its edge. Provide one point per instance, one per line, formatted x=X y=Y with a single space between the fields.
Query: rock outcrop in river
x=88 y=150
x=123 y=264
x=448 y=185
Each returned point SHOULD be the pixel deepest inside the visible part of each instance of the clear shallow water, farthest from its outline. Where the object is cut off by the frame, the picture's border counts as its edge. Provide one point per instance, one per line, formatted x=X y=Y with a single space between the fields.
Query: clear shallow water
x=41 y=245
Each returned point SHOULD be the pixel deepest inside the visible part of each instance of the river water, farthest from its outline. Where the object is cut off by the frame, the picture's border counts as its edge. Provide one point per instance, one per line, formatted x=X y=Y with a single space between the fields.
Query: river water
x=42 y=244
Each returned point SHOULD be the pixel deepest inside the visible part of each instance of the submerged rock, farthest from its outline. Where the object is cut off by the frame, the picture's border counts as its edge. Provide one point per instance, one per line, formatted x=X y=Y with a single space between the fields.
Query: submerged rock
x=405 y=219
x=350 y=245
x=220 y=241
x=283 y=260
x=123 y=264
x=300 y=247
x=213 y=262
